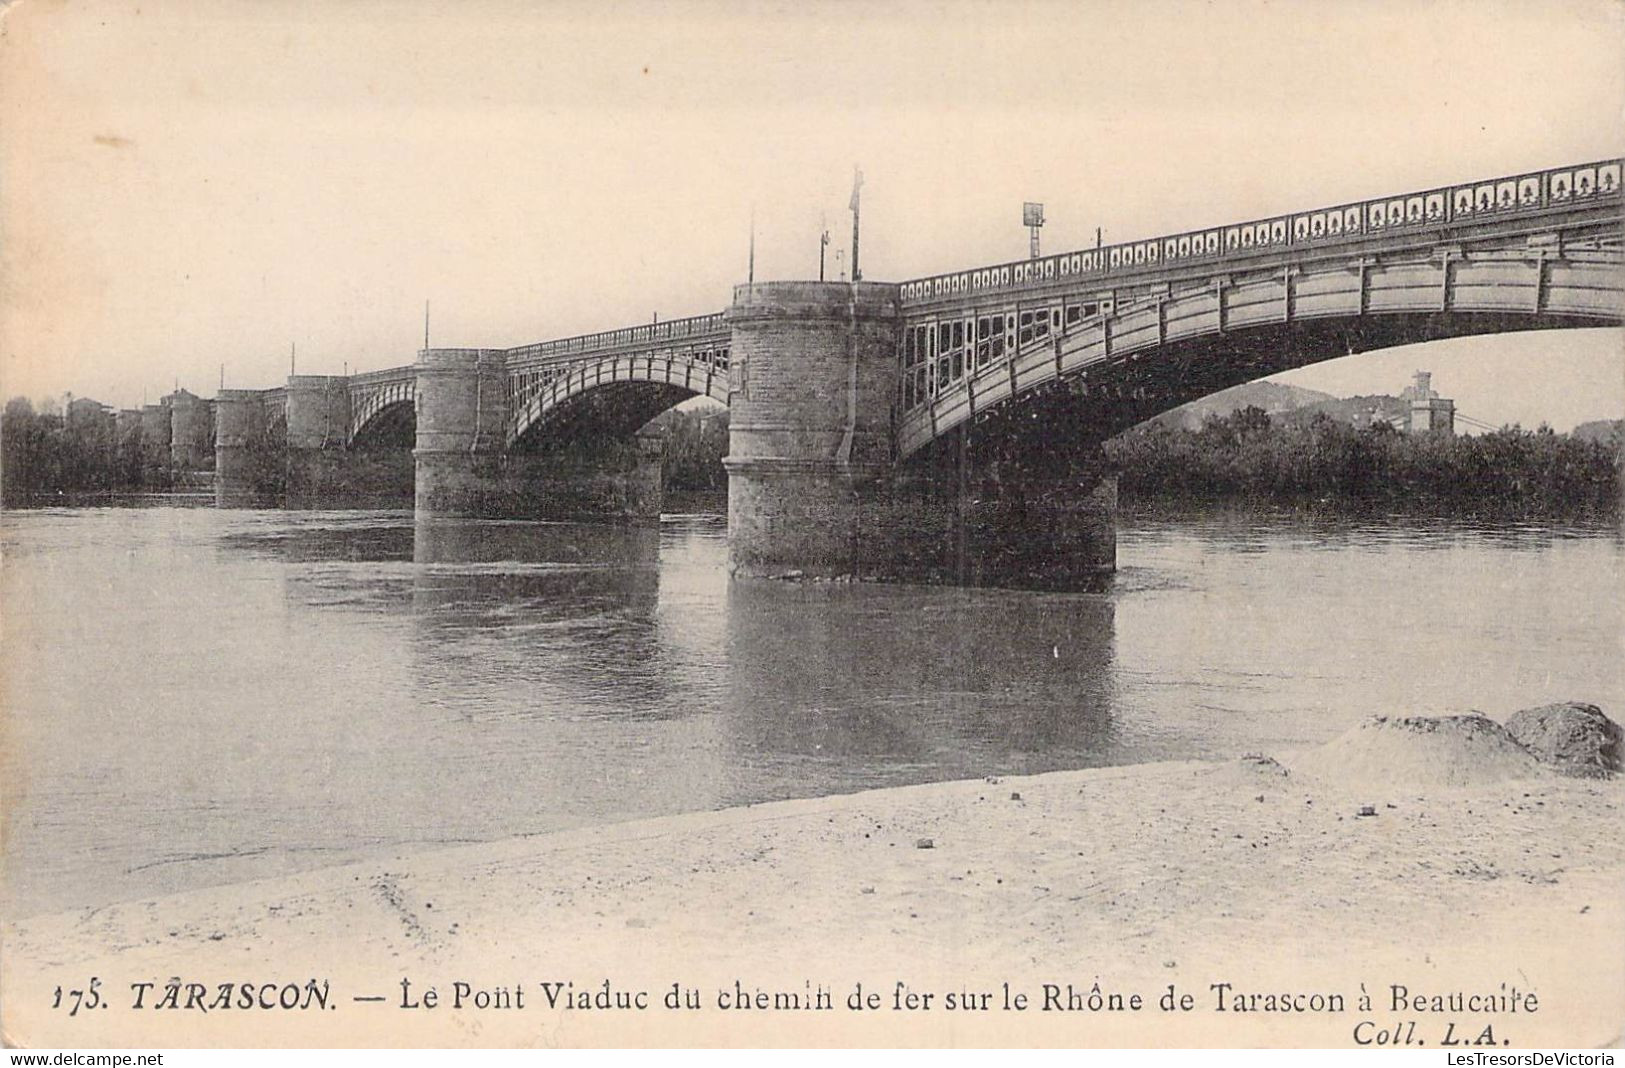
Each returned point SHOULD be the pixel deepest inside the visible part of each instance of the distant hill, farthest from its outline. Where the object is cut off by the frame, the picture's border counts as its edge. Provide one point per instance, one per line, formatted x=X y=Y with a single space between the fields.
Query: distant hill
x=1603 y=430
x=1273 y=397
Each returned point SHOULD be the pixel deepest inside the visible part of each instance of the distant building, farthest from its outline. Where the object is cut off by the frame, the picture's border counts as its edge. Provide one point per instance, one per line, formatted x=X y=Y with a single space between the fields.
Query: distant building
x=191 y=433
x=84 y=411
x=89 y=422
x=1373 y=415
x=1429 y=412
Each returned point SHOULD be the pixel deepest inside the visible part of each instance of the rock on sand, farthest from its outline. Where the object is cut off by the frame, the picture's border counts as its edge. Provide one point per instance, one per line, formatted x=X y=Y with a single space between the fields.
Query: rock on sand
x=1575 y=739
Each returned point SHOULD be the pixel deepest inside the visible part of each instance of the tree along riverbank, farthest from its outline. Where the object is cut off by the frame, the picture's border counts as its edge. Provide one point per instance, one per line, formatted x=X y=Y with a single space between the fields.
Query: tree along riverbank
x=42 y=456
x=1245 y=457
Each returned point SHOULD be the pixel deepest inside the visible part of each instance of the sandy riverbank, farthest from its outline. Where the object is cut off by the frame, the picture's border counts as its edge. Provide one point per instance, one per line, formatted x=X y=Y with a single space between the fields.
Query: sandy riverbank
x=1253 y=873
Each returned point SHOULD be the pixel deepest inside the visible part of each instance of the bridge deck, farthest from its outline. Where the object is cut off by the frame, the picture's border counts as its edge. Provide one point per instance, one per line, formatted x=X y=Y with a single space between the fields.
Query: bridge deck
x=1063 y=292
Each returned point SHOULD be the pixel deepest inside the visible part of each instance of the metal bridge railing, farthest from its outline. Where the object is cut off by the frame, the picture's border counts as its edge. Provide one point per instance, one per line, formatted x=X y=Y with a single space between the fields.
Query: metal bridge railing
x=648 y=335
x=1509 y=195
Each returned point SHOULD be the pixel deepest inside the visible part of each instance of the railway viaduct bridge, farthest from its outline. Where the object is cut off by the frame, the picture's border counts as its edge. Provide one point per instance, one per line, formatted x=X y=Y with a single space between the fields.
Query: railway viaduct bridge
x=923 y=424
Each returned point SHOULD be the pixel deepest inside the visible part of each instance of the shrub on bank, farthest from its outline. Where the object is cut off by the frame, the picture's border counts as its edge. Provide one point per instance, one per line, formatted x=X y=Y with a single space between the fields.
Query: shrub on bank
x=1511 y=473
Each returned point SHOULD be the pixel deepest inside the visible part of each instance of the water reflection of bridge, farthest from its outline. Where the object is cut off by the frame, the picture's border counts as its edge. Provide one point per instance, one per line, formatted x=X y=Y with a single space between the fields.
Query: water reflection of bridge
x=615 y=671
x=809 y=673
x=898 y=679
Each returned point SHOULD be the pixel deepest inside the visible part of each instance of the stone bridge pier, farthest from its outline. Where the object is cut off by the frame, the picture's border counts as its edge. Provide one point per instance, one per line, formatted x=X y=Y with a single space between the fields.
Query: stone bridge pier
x=461 y=417
x=809 y=435
x=318 y=416
x=240 y=450
x=815 y=485
x=155 y=437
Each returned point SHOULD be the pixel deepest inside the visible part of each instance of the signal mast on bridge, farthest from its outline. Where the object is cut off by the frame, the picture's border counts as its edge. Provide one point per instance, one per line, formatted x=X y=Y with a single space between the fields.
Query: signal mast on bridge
x=1032 y=217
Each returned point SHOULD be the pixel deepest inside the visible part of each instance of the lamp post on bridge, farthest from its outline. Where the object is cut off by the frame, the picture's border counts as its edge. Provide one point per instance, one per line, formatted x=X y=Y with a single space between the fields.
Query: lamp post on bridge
x=857 y=186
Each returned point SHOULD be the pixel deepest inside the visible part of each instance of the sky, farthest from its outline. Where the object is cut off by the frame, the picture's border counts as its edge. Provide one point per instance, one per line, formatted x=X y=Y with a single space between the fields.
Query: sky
x=191 y=184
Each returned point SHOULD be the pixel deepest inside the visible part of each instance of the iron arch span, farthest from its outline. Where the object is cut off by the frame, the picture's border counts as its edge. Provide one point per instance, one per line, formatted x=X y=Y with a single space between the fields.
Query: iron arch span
x=389 y=425
x=611 y=398
x=1146 y=358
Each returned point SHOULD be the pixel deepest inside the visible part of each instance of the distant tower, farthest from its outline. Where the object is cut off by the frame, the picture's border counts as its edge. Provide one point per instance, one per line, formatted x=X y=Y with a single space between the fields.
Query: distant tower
x=1429 y=412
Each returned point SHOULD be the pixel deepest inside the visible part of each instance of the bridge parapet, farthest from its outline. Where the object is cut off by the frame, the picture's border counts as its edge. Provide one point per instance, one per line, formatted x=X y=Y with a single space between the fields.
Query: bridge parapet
x=365 y=379
x=696 y=330
x=1427 y=212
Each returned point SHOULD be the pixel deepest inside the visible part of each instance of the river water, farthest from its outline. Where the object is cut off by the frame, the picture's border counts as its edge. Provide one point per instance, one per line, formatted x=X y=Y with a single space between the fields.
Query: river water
x=195 y=697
